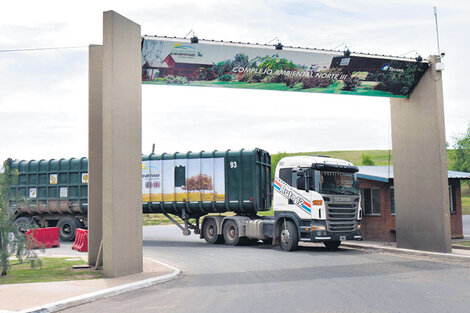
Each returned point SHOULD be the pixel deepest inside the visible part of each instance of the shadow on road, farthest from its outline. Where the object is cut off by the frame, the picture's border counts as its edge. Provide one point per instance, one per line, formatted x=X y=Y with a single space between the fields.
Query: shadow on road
x=319 y=248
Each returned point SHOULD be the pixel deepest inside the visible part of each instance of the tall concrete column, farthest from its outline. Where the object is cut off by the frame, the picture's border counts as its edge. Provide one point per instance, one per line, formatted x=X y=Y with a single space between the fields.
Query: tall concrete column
x=122 y=145
x=420 y=166
x=95 y=151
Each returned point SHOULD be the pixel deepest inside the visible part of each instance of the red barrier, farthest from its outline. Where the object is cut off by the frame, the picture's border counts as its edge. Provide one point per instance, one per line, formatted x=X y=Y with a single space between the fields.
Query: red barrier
x=81 y=240
x=42 y=238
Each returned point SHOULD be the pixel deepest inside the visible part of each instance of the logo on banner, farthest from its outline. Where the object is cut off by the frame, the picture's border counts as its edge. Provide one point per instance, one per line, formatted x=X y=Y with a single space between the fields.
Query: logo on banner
x=289 y=193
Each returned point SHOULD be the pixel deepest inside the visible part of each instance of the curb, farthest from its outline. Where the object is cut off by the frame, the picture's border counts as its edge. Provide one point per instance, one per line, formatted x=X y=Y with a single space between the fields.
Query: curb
x=103 y=294
x=454 y=246
x=437 y=255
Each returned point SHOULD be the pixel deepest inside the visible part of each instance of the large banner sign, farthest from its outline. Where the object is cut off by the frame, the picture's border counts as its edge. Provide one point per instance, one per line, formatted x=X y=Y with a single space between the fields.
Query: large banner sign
x=220 y=64
x=183 y=180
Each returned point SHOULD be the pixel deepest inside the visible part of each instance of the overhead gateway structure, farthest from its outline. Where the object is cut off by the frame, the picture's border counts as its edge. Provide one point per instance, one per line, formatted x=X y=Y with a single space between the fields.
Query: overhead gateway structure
x=173 y=61
x=126 y=60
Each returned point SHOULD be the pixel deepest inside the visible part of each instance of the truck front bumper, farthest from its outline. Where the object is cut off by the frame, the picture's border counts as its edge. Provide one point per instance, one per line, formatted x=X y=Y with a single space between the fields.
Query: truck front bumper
x=316 y=232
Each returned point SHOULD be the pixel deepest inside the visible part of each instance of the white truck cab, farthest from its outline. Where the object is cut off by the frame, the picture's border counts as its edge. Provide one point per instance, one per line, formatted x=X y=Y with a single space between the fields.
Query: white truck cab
x=315 y=199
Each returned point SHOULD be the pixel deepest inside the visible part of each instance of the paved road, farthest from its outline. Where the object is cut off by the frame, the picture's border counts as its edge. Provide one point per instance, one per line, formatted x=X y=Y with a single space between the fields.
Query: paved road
x=466 y=224
x=264 y=279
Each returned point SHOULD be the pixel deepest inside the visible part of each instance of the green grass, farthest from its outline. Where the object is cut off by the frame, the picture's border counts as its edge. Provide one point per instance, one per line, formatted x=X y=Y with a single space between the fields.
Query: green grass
x=334 y=88
x=465 y=199
x=463 y=243
x=158 y=219
x=53 y=269
x=380 y=157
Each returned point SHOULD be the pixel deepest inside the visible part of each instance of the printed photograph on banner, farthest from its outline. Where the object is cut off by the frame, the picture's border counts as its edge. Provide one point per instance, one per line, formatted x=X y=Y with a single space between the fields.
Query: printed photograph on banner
x=174 y=62
x=183 y=180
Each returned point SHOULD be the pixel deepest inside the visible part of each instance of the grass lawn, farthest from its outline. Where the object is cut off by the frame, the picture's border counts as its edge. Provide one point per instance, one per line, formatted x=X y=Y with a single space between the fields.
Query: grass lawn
x=53 y=269
x=463 y=243
x=158 y=219
x=465 y=199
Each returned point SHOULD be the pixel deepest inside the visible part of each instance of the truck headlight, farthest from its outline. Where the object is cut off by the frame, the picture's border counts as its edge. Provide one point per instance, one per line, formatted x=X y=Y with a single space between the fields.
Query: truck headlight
x=320 y=227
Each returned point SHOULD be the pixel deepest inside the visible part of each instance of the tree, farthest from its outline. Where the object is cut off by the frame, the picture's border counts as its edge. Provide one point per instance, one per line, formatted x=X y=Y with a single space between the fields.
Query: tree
x=12 y=242
x=462 y=152
x=367 y=160
x=201 y=182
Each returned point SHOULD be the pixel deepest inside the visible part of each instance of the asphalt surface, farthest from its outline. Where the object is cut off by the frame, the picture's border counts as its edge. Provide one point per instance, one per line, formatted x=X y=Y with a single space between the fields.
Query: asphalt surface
x=260 y=278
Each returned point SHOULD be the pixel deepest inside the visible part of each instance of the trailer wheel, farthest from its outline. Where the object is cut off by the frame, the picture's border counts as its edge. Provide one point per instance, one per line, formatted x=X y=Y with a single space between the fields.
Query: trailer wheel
x=209 y=231
x=68 y=226
x=231 y=234
x=24 y=223
x=289 y=236
x=332 y=245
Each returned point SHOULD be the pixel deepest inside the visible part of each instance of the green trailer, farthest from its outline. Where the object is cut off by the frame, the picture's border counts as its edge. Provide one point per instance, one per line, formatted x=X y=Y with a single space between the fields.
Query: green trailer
x=189 y=185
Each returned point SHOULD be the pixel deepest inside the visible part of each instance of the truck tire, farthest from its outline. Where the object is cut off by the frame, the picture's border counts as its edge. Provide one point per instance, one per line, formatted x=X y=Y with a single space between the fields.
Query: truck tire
x=332 y=245
x=24 y=223
x=68 y=226
x=209 y=232
x=289 y=236
x=231 y=234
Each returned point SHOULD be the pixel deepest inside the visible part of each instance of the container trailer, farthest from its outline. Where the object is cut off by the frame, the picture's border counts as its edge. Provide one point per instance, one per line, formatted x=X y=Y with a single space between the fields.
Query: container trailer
x=314 y=198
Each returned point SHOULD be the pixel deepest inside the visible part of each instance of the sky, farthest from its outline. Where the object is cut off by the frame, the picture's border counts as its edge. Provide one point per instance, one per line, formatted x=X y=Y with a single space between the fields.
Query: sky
x=44 y=94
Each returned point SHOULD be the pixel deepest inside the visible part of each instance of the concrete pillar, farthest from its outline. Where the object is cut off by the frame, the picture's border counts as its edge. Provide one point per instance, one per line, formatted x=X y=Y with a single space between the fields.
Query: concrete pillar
x=420 y=166
x=95 y=151
x=122 y=145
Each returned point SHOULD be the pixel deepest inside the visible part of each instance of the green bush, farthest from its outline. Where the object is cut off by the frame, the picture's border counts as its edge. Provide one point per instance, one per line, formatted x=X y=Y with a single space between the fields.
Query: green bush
x=179 y=80
x=225 y=78
x=367 y=160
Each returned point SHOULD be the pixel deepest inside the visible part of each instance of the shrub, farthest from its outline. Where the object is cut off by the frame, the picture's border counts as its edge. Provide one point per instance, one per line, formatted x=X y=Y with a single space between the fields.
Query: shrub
x=225 y=78
x=180 y=80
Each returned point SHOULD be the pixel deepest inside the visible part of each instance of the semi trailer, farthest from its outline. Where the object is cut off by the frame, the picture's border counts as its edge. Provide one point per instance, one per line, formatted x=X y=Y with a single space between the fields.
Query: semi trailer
x=314 y=198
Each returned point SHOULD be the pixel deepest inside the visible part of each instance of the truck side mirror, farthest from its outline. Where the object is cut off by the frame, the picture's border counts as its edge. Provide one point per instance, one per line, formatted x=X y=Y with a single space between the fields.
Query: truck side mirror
x=301 y=181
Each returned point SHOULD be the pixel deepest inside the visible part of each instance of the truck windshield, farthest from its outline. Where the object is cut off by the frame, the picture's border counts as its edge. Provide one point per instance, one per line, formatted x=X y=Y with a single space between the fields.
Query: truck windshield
x=338 y=183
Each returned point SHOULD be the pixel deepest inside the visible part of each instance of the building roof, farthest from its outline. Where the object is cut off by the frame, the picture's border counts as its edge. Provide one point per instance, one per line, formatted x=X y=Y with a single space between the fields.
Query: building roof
x=384 y=173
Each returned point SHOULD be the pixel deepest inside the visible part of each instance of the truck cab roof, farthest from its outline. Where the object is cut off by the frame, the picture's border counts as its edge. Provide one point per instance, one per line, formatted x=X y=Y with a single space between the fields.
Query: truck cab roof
x=308 y=161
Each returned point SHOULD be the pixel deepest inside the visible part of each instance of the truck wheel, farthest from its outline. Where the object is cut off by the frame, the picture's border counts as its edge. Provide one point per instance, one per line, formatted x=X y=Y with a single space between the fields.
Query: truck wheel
x=24 y=223
x=231 y=234
x=289 y=236
x=209 y=231
x=68 y=226
x=332 y=245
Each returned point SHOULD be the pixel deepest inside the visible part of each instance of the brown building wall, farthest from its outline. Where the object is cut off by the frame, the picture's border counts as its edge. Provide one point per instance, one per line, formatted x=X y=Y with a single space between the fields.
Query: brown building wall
x=382 y=227
x=456 y=219
x=378 y=227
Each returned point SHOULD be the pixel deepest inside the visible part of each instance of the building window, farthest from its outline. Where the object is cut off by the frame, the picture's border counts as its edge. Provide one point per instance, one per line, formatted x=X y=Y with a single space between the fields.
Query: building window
x=392 y=200
x=452 y=202
x=370 y=200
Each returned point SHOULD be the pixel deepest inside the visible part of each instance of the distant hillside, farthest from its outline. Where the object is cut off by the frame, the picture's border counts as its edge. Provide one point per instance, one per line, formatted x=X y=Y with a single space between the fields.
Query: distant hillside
x=380 y=157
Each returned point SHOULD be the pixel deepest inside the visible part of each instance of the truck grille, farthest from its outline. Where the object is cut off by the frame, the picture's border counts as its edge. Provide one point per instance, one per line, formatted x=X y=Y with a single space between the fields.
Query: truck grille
x=341 y=217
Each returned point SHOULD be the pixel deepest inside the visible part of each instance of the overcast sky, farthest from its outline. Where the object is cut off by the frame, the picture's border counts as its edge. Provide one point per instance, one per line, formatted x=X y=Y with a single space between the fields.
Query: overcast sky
x=44 y=94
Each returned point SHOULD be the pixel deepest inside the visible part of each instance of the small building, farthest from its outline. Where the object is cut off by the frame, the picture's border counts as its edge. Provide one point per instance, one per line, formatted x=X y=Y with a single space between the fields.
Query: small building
x=378 y=202
x=177 y=65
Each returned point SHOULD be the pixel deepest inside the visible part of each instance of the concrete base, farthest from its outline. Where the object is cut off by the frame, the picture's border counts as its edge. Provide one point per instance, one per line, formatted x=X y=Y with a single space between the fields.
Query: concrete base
x=420 y=167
